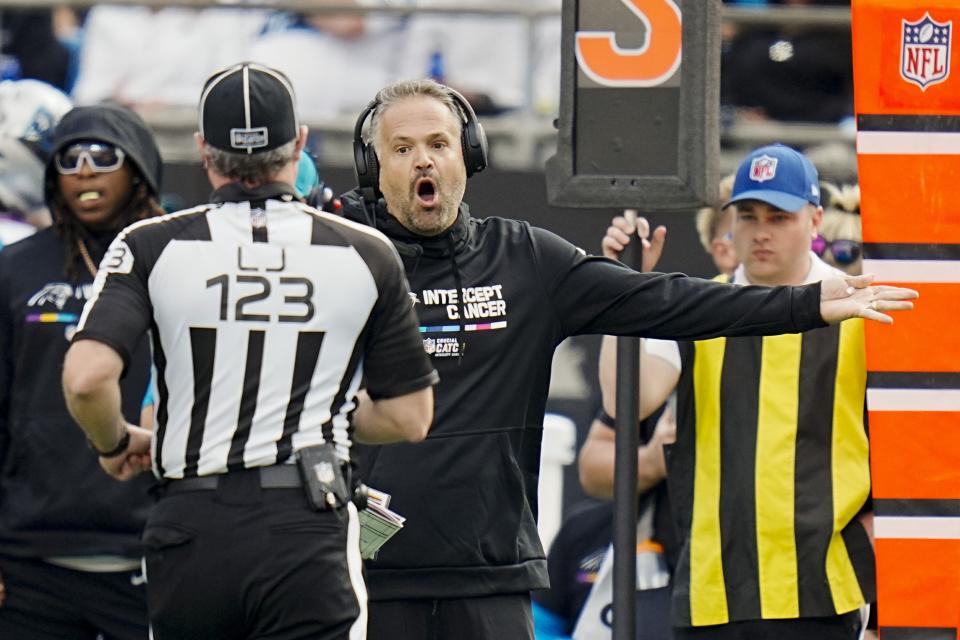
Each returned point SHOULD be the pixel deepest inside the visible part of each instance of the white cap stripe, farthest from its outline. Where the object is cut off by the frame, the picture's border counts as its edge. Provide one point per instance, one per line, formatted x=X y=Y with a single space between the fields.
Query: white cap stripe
x=246 y=100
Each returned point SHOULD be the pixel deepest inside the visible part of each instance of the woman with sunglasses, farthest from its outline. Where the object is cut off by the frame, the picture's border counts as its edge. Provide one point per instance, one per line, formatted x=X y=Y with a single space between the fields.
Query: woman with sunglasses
x=839 y=242
x=69 y=534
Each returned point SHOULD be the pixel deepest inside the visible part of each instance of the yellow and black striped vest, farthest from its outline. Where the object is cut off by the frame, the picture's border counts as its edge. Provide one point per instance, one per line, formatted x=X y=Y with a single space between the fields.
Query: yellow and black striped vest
x=767 y=476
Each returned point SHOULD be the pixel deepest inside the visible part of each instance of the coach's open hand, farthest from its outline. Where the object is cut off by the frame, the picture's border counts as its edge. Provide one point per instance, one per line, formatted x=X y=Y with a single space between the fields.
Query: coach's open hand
x=853 y=297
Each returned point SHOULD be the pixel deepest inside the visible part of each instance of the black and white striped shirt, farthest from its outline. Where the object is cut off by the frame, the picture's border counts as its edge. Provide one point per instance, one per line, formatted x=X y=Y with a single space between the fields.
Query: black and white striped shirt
x=263 y=322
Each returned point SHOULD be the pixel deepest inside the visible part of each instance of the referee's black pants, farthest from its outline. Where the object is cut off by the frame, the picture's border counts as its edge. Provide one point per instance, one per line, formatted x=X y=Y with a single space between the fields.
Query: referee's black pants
x=242 y=562
x=496 y=617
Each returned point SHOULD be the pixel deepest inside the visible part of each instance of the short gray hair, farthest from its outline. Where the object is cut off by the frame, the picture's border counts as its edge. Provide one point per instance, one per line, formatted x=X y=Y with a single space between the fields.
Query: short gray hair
x=394 y=93
x=251 y=167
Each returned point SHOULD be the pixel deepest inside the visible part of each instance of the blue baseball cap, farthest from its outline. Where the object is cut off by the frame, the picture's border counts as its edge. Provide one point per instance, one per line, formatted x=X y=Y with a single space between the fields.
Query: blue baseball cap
x=778 y=175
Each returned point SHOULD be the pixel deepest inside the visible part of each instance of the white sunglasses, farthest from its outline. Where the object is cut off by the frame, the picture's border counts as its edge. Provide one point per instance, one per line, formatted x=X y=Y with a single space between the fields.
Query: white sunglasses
x=99 y=156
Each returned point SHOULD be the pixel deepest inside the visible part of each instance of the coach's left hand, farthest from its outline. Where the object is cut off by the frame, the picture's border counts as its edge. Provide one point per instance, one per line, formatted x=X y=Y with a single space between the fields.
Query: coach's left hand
x=854 y=297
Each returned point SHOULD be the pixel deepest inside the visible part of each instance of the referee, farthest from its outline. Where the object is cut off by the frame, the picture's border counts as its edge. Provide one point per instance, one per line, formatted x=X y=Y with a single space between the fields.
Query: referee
x=264 y=315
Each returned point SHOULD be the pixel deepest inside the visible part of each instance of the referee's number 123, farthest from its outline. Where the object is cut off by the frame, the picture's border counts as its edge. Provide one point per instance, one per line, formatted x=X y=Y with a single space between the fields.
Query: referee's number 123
x=297 y=295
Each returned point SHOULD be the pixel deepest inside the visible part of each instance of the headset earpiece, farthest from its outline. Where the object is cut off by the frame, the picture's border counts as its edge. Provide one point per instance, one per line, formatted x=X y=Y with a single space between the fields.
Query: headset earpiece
x=365 y=159
x=473 y=139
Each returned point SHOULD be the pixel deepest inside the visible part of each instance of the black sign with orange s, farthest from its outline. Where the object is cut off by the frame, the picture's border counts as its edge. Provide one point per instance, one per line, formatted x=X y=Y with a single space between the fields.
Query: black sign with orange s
x=639 y=104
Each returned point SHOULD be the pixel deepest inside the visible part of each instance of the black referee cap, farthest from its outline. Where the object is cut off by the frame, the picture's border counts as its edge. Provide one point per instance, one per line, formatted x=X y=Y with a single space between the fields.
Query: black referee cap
x=248 y=108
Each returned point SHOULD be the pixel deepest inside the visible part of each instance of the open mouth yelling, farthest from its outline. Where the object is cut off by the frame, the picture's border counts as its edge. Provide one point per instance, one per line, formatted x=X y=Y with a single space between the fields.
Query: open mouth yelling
x=426 y=192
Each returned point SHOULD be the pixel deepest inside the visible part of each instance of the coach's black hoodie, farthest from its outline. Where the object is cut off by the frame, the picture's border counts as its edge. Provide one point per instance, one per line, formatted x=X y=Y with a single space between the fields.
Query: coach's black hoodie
x=494 y=298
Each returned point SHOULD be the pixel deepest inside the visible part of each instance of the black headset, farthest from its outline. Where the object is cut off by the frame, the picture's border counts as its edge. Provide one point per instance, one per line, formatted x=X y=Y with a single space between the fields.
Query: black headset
x=473 y=141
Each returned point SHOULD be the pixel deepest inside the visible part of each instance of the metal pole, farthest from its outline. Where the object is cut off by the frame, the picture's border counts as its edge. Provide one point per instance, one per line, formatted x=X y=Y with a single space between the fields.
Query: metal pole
x=625 y=474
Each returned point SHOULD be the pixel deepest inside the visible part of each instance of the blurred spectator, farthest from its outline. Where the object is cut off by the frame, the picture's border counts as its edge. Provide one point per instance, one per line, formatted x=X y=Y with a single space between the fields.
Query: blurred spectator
x=839 y=240
x=68 y=26
x=798 y=72
x=837 y=158
x=578 y=604
x=31 y=49
x=143 y=57
x=29 y=109
x=715 y=229
x=357 y=54
x=486 y=57
x=546 y=64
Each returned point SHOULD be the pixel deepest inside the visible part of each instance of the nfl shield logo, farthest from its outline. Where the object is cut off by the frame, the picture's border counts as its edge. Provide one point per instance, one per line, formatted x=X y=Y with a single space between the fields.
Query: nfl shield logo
x=429 y=345
x=763 y=168
x=925 y=51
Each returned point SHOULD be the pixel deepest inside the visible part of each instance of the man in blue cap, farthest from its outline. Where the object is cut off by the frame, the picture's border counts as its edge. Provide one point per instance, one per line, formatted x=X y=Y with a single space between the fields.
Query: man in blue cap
x=778 y=212
x=769 y=475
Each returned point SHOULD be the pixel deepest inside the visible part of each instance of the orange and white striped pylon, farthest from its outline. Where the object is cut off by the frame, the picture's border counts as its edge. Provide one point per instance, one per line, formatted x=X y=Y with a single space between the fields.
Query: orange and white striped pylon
x=907 y=97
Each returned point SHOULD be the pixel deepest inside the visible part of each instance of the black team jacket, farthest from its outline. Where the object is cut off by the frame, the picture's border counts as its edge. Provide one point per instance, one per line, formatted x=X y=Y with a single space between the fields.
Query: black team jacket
x=494 y=298
x=55 y=500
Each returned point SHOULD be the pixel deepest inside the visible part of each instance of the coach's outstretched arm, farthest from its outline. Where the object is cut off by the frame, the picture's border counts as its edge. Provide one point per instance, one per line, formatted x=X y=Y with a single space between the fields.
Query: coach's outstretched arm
x=401 y=418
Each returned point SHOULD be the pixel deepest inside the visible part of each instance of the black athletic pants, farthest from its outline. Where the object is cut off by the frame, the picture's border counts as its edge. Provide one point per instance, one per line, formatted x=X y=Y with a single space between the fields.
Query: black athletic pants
x=242 y=562
x=498 y=617
x=48 y=602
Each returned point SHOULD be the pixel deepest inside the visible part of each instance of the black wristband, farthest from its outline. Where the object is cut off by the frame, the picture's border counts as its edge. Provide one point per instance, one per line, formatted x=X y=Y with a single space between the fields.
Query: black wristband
x=606 y=419
x=117 y=450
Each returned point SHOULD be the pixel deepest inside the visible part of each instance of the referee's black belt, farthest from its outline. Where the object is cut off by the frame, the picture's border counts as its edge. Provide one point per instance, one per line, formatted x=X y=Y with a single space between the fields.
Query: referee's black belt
x=280 y=476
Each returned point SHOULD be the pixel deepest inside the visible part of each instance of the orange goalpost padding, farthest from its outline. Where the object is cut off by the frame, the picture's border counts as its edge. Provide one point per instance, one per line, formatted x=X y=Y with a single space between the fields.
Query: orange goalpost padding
x=907 y=99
